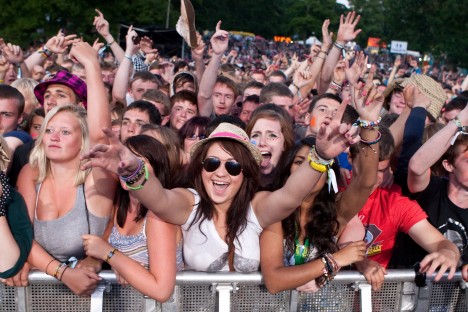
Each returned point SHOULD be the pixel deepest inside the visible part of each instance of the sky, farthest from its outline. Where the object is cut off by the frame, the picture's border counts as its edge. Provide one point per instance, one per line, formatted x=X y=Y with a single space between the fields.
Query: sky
x=345 y=2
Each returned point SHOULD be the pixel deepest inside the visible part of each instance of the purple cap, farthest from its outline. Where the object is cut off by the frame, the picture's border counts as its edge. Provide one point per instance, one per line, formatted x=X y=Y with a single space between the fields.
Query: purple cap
x=65 y=78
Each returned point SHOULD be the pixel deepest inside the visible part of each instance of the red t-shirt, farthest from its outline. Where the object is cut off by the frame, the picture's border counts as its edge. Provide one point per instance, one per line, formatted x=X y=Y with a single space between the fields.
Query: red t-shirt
x=385 y=214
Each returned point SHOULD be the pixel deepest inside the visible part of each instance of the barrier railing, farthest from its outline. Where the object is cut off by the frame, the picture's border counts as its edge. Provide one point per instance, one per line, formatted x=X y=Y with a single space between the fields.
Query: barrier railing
x=196 y=291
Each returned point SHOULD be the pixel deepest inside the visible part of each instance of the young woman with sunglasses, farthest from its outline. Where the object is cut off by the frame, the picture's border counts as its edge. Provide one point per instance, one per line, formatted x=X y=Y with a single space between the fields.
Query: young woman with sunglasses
x=222 y=215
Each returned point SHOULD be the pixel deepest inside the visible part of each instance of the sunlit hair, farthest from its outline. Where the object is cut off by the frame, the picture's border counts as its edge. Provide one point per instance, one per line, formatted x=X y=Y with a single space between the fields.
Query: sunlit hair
x=38 y=158
x=5 y=155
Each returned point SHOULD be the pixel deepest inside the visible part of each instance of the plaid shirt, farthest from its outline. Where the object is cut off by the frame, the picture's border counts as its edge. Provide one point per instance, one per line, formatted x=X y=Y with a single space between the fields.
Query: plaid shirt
x=138 y=61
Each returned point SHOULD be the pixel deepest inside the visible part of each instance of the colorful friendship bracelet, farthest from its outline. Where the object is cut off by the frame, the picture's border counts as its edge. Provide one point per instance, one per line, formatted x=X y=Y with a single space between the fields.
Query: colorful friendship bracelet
x=365 y=124
x=139 y=187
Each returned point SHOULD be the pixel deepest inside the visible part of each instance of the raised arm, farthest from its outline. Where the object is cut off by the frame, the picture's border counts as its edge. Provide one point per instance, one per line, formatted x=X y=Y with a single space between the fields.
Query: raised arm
x=219 y=44
x=346 y=33
x=102 y=27
x=368 y=103
x=14 y=55
x=173 y=206
x=120 y=88
x=332 y=139
x=197 y=56
x=98 y=118
x=57 y=44
x=419 y=170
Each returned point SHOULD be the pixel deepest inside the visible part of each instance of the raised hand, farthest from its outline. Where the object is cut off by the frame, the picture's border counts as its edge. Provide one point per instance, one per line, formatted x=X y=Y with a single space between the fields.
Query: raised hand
x=367 y=100
x=83 y=53
x=114 y=157
x=414 y=97
x=339 y=74
x=59 y=44
x=132 y=47
x=12 y=53
x=220 y=40
x=346 y=31
x=97 y=45
x=358 y=68
x=199 y=51
x=335 y=137
x=146 y=45
x=101 y=24
x=327 y=36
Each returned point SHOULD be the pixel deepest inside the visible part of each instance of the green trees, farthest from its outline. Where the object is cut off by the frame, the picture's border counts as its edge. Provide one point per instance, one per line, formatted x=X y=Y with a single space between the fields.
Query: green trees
x=437 y=26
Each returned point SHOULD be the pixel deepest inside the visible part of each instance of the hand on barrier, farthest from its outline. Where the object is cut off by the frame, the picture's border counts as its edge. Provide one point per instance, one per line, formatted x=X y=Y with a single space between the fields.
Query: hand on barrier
x=20 y=279
x=81 y=281
x=465 y=272
x=442 y=261
x=373 y=272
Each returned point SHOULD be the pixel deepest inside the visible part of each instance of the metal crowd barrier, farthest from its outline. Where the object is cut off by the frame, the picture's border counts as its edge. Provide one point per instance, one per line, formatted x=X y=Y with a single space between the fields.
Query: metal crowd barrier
x=196 y=291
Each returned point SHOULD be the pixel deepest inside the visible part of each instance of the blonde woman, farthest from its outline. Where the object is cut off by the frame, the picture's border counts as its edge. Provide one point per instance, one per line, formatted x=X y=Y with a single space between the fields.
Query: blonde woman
x=65 y=202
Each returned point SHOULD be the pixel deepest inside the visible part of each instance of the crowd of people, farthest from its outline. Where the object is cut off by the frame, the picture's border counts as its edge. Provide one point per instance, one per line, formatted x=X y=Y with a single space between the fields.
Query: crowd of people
x=294 y=165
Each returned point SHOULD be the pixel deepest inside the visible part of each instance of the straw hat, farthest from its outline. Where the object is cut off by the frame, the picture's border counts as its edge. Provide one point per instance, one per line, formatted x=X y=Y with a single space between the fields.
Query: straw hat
x=431 y=89
x=229 y=131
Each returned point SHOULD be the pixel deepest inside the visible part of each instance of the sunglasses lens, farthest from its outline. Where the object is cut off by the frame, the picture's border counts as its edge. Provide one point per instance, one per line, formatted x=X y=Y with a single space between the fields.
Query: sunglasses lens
x=233 y=167
x=211 y=164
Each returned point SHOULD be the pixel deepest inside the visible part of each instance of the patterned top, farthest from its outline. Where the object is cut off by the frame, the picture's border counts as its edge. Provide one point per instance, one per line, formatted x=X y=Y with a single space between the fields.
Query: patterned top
x=136 y=247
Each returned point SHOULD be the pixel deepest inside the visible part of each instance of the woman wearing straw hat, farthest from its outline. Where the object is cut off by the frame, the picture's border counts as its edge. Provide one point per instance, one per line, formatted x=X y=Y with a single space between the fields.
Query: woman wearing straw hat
x=222 y=215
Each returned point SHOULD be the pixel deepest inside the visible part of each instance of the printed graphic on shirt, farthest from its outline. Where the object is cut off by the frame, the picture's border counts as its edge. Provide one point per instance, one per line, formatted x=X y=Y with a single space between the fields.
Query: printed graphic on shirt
x=373 y=246
x=455 y=232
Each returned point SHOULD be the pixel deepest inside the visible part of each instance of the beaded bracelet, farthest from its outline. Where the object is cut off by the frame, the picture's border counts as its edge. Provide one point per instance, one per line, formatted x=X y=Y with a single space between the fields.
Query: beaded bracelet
x=139 y=187
x=6 y=193
x=134 y=174
x=365 y=124
x=377 y=140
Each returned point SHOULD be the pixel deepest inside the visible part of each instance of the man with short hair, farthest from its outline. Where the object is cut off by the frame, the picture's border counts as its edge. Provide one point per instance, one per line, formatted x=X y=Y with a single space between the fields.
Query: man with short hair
x=252 y=88
x=248 y=106
x=162 y=103
x=11 y=108
x=279 y=94
x=183 y=107
x=136 y=115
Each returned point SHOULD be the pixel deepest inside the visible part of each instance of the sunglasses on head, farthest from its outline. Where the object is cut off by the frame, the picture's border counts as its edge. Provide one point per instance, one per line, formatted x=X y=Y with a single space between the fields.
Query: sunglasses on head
x=210 y=164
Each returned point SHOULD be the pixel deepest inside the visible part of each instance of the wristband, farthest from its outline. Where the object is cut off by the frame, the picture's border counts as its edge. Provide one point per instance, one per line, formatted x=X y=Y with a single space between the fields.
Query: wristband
x=128 y=57
x=111 y=254
x=139 y=187
x=110 y=43
x=463 y=130
x=338 y=45
x=133 y=175
x=365 y=124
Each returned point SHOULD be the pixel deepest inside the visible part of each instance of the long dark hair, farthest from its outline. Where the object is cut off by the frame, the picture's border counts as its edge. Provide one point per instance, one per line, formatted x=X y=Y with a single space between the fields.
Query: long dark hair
x=156 y=155
x=322 y=218
x=236 y=219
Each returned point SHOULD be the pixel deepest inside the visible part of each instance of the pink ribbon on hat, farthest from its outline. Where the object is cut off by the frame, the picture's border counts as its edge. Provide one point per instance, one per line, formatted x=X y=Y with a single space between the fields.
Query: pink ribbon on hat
x=228 y=135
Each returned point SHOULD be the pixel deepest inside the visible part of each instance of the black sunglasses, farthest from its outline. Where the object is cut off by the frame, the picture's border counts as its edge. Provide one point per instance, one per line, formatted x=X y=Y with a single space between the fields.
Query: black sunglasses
x=210 y=164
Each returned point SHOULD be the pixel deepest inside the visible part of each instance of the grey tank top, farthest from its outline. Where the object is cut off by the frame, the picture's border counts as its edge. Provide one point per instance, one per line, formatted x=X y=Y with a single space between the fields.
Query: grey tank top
x=61 y=237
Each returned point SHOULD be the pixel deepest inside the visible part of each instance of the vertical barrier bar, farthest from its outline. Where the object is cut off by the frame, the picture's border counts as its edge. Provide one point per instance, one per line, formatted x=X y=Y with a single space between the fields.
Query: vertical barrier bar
x=21 y=293
x=365 y=294
x=224 y=293
x=97 y=298
x=424 y=297
x=293 y=301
